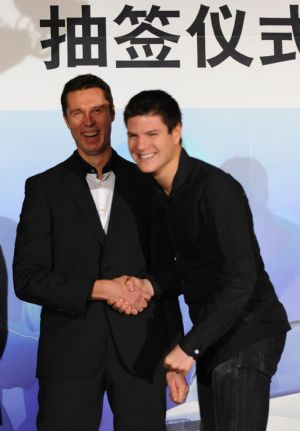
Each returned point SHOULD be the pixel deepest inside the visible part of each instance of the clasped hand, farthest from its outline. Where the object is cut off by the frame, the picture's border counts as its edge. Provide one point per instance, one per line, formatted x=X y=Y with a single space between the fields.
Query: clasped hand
x=133 y=294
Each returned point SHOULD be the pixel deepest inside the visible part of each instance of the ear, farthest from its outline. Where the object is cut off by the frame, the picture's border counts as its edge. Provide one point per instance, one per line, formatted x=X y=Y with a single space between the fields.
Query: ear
x=176 y=133
x=66 y=121
x=112 y=112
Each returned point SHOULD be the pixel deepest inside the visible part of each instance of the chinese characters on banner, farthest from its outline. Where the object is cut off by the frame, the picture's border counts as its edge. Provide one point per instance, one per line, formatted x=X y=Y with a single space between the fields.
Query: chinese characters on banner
x=150 y=45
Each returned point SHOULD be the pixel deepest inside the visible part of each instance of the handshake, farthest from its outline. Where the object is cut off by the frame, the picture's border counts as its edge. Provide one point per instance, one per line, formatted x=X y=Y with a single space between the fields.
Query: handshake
x=126 y=294
x=130 y=295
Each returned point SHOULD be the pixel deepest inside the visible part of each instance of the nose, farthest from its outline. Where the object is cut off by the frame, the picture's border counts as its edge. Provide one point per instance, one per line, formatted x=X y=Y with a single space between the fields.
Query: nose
x=142 y=143
x=89 y=119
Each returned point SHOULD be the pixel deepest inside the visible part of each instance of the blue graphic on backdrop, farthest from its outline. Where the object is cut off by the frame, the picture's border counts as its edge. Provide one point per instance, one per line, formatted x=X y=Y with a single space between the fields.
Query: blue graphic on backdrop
x=256 y=146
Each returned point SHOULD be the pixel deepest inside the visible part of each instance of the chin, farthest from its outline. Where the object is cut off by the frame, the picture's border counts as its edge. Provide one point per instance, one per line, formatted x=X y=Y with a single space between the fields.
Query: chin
x=145 y=169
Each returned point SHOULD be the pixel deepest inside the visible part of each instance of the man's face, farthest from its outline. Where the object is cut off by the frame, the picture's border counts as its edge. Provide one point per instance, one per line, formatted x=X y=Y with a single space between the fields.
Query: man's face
x=89 y=119
x=152 y=146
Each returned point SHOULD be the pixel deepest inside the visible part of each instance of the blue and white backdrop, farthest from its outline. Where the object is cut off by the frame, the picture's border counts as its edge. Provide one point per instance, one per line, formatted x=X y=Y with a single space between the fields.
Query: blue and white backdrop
x=233 y=67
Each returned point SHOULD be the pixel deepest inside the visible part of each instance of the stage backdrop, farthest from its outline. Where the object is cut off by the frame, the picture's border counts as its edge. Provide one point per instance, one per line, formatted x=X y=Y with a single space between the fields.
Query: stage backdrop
x=233 y=67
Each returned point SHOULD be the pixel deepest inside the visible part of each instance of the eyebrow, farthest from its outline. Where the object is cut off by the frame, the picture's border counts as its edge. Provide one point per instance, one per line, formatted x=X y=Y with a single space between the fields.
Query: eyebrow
x=93 y=107
x=146 y=133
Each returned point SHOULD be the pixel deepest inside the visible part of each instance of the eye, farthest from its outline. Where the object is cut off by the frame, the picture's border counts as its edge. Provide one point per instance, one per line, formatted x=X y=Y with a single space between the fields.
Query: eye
x=101 y=109
x=131 y=136
x=76 y=113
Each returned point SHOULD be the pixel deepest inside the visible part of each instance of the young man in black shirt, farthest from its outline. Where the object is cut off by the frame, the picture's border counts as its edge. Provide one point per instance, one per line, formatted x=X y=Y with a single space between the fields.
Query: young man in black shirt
x=203 y=245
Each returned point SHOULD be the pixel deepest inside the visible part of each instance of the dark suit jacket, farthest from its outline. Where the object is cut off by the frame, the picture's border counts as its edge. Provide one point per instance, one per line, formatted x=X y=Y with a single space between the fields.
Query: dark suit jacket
x=206 y=238
x=61 y=249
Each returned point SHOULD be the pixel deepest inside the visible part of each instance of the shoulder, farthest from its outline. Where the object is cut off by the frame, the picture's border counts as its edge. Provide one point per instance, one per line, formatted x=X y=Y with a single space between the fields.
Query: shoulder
x=125 y=166
x=208 y=170
x=48 y=176
x=213 y=181
x=129 y=171
x=213 y=174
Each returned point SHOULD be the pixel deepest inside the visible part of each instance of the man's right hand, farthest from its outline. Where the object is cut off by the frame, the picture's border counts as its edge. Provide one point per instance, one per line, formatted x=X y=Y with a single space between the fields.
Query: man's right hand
x=142 y=287
x=122 y=294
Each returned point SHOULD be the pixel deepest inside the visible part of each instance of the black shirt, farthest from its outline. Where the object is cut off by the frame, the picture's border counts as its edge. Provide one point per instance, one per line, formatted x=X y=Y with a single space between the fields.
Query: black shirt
x=203 y=236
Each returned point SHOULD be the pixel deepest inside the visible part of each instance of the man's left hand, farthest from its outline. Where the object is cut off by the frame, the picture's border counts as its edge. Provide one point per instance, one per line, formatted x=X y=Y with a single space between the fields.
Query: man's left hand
x=177 y=386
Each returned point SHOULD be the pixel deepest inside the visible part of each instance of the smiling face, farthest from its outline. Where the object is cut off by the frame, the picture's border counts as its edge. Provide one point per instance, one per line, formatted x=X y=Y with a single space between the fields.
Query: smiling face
x=153 y=147
x=89 y=117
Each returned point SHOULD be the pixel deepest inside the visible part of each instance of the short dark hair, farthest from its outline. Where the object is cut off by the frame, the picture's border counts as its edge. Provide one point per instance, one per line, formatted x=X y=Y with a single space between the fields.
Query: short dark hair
x=83 y=82
x=154 y=102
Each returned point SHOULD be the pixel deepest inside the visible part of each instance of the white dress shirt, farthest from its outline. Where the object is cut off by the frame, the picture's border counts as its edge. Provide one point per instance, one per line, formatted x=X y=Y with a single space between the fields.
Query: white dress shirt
x=102 y=191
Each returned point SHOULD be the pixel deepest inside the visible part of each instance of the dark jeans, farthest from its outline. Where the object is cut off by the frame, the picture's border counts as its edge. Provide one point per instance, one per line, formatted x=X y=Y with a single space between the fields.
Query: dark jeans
x=236 y=398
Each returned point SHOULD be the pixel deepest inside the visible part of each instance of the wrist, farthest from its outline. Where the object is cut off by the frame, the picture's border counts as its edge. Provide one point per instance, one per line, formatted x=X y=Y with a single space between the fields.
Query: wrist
x=100 y=290
x=191 y=351
x=149 y=287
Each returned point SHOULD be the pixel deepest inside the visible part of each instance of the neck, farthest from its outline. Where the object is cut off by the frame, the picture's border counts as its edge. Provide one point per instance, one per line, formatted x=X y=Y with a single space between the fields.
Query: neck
x=165 y=176
x=98 y=161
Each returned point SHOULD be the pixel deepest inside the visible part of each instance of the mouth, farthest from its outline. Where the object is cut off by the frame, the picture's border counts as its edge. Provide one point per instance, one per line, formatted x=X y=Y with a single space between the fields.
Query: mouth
x=146 y=156
x=90 y=134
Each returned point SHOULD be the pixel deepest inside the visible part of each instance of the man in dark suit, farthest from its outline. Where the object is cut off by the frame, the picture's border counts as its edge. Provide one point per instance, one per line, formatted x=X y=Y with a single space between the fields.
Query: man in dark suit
x=83 y=232
x=203 y=232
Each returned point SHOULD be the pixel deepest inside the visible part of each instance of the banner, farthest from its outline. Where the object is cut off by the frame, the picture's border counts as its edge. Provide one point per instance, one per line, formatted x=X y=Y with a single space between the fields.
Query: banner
x=234 y=69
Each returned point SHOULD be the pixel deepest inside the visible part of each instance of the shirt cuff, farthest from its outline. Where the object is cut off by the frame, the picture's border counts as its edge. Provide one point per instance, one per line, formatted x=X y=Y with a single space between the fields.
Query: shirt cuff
x=189 y=346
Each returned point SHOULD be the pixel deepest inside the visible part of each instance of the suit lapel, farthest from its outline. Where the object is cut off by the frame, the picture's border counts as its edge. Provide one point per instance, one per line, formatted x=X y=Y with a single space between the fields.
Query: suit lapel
x=116 y=219
x=84 y=201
